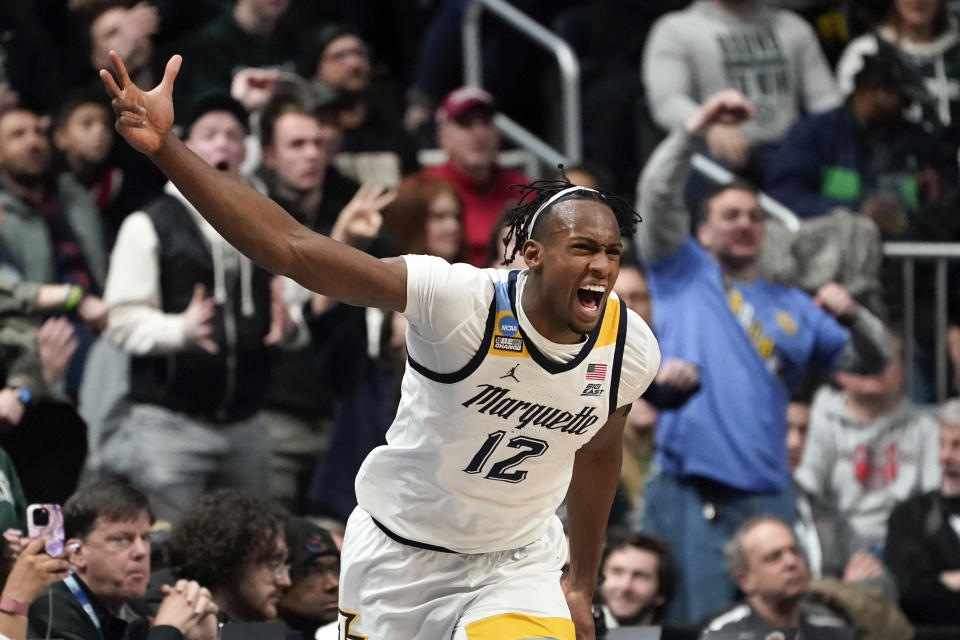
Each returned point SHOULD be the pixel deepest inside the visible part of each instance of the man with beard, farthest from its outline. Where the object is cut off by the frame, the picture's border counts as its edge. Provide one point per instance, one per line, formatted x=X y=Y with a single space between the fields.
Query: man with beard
x=235 y=543
x=51 y=232
x=638 y=575
x=768 y=566
x=376 y=148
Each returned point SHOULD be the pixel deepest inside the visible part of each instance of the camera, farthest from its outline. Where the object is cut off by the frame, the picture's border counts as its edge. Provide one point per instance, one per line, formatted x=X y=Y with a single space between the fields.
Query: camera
x=41 y=517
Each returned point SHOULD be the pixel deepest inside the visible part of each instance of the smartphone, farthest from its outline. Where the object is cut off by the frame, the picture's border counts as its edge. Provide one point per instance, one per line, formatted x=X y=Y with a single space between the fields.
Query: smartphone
x=46 y=520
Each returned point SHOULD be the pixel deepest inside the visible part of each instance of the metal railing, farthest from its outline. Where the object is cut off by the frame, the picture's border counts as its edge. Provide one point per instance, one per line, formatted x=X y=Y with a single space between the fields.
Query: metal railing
x=941 y=253
x=569 y=72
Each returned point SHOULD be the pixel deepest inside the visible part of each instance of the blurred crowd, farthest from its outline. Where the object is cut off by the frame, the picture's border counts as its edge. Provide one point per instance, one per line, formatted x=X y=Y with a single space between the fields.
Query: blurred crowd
x=192 y=410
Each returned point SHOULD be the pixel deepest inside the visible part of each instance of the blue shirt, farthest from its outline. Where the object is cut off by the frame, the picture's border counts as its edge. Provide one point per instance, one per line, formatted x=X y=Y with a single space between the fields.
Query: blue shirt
x=753 y=341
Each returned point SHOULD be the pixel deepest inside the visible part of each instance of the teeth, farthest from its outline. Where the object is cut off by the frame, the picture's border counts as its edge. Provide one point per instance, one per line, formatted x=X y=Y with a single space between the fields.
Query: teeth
x=594 y=287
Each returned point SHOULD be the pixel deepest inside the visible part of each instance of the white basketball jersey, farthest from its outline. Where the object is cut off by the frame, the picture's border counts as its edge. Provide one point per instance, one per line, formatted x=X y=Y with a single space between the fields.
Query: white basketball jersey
x=479 y=459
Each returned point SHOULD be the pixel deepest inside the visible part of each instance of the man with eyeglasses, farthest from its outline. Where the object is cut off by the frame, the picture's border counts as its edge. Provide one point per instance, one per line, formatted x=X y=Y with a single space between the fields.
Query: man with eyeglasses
x=311 y=601
x=235 y=543
x=107 y=525
x=375 y=146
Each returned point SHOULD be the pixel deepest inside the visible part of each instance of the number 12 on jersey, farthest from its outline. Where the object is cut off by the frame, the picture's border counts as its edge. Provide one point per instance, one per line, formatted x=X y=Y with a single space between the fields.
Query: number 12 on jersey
x=502 y=470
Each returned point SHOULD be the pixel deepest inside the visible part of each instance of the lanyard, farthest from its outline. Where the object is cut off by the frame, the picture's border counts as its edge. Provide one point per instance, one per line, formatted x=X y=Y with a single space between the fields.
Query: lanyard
x=84 y=601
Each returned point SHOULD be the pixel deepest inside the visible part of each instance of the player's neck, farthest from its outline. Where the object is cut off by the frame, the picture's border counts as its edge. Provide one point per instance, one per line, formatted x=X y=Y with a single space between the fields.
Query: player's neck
x=535 y=307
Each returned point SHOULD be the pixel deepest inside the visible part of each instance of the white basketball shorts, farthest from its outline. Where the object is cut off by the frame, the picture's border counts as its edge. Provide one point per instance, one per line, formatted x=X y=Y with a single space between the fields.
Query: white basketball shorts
x=394 y=591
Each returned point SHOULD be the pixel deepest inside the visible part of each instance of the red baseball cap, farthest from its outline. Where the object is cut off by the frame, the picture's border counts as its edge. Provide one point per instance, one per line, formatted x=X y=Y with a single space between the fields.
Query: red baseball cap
x=456 y=103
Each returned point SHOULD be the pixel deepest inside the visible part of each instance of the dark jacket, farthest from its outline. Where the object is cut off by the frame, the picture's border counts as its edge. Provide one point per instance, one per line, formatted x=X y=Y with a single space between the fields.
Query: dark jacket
x=222 y=387
x=830 y=160
x=71 y=622
x=920 y=545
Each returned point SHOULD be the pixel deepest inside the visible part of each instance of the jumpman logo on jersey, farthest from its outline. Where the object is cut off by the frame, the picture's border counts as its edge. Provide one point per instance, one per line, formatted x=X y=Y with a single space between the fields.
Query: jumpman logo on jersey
x=511 y=373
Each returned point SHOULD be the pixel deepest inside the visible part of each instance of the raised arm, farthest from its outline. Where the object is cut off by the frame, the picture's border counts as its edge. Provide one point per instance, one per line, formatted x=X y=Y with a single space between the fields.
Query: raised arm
x=666 y=218
x=254 y=224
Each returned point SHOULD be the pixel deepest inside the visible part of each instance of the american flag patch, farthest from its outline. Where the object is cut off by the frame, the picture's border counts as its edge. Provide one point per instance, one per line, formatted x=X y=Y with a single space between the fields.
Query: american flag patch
x=596 y=371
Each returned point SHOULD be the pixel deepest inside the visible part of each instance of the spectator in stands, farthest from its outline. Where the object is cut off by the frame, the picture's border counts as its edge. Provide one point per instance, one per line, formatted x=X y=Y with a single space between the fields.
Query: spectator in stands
x=83 y=136
x=862 y=155
x=118 y=26
x=768 y=566
x=52 y=233
x=722 y=455
x=675 y=382
x=923 y=541
x=828 y=542
x=128 y=30
x=311 y=601
x=869 y=448
x=107 y=525
x=376 y=148
x=298 y=144
x=465 y=130
x=252 y=34
x=637 y=576
x=236 y=543
x=770 y=55
x=927 y=37
x=197 y=319
x=425 y=218
x=34 y=413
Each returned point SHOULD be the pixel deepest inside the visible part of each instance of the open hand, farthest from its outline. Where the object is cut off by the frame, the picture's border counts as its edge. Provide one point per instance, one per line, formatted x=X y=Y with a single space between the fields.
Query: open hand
x=196 y=318
x=862 y=565
x=143 y=117
x=56 y=342
x=361 y=217
x=282 y=325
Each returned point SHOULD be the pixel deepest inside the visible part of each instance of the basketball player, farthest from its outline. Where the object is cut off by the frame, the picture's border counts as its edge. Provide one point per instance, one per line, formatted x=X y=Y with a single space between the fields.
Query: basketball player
x=514 y=399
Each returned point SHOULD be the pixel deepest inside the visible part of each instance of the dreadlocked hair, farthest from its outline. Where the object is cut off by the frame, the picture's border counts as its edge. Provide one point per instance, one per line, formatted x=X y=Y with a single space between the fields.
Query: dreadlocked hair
x=533 y=195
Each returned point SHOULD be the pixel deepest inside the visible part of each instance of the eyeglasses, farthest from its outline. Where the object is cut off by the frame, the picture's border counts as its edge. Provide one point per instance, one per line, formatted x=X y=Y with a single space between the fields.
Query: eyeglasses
x=279 y=567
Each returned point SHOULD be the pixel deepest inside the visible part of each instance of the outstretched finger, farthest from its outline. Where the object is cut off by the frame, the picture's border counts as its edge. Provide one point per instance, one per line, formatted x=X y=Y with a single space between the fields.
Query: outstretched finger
x=110 y=83
x=385 y=199
x=170 y=72
x=121 y=68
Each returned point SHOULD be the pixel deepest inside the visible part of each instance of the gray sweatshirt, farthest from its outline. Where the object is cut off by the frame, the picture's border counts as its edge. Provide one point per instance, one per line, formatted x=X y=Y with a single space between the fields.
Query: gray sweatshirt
x=863 y=468
x=770 y=55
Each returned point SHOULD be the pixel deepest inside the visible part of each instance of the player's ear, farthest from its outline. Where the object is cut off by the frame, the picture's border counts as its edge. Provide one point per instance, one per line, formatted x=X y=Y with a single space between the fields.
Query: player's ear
x=532 y=254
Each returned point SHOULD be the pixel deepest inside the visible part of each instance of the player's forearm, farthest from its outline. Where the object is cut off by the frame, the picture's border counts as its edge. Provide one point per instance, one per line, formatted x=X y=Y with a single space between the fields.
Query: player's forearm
x=594 y=482
x=270 y=236
x=253 y=223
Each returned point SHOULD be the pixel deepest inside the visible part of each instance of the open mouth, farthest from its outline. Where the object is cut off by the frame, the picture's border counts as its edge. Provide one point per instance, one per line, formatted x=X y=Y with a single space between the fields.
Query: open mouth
x=223 y=165
x=590 y=297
